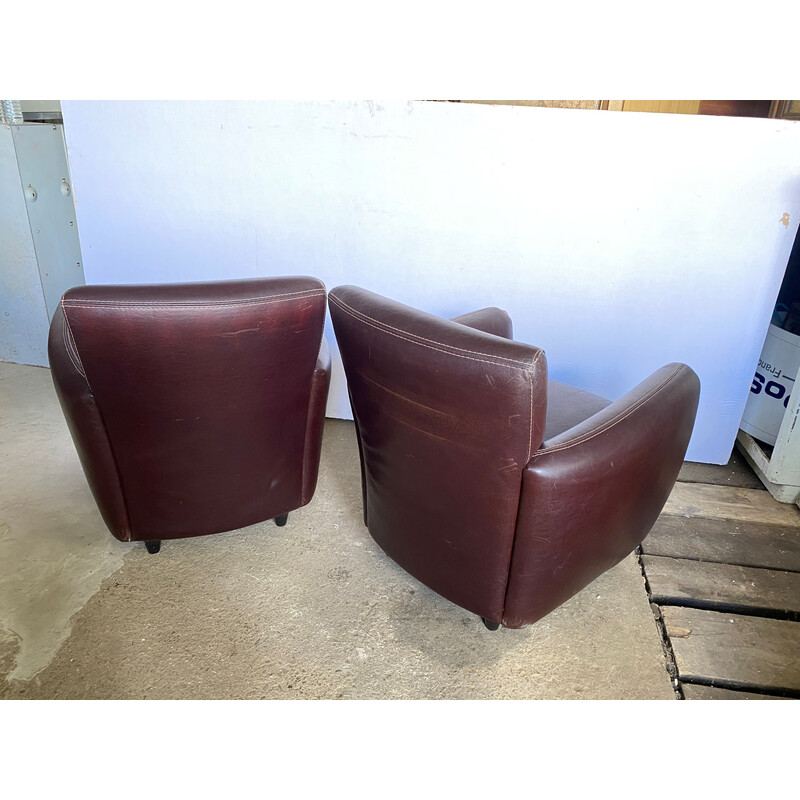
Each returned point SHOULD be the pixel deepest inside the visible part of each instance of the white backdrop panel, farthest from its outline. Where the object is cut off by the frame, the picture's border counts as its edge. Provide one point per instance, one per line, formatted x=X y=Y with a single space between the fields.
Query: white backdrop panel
x=616 y=241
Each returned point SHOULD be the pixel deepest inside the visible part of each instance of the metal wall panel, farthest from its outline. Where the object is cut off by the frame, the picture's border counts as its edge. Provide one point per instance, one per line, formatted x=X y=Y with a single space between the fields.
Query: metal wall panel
x=47 y=188
x=23 y=315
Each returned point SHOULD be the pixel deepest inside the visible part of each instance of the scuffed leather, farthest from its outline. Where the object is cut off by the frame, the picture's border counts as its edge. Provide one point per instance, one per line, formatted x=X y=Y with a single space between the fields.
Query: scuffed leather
x=459 y=487
x=195 y=408
x=447 y=417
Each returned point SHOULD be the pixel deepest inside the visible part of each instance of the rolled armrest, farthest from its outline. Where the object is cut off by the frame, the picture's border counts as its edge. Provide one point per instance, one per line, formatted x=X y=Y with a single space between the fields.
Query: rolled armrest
x=86 y=427
x=658 y=391
x=592 y=493
x=489 y=320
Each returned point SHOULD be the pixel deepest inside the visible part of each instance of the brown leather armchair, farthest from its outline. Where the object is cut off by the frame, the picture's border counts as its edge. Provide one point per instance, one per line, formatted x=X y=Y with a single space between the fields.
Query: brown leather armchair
x=502 y=491
x=195 y=408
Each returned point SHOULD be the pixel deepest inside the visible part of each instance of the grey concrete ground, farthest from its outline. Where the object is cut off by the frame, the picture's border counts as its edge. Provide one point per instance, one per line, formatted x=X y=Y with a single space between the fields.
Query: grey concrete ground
x=310 y=610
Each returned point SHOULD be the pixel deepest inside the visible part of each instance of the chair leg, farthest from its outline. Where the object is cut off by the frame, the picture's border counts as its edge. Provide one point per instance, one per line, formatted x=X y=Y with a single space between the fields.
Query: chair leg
x=492 y=626
x=281 y=520
x=153 y=546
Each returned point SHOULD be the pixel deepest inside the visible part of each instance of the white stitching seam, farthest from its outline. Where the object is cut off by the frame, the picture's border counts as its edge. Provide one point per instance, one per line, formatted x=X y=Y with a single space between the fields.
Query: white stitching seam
x=77 y=301
x=67 y=347
x=611 y=423
x=349 y=311
x=262 y=301
x=357 y=313
x=68 y=328
x=530 y=432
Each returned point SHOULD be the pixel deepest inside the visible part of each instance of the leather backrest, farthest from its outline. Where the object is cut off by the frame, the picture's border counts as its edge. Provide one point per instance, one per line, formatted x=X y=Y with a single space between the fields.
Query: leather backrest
x=447 y=418
x=189 y=402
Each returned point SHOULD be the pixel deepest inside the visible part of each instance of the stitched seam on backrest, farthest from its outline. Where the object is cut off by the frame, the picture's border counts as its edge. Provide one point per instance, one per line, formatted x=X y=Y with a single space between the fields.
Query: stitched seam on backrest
x=71 y=345
x=611 y=423
x=192 y=306
x=519 y=498
x=358 y=313
x=420 y=344
x=530 y=431
x=78 y=301
x=178 y=306
x=365 y=317
x=68 y=349
x=363 y=320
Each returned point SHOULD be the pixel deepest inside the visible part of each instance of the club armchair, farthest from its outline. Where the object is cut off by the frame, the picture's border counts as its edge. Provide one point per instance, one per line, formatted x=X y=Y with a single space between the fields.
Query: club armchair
x=502 y=491
x=196 y=408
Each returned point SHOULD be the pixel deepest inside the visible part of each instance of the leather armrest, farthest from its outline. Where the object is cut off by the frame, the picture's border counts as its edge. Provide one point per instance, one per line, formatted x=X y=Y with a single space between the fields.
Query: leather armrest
x=489 y=320
x=592 y=493
x=86 y=427
x=616 y=412
x=320 y=383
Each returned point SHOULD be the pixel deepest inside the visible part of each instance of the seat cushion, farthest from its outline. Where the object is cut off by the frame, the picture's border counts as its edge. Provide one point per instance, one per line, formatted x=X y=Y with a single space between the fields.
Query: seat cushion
x=567 y=406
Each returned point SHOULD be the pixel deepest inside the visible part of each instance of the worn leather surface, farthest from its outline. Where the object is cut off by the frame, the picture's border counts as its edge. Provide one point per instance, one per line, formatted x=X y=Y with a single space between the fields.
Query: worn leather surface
x=591 y=494
x=447 y=418
x=460 y=487
x=195 y=408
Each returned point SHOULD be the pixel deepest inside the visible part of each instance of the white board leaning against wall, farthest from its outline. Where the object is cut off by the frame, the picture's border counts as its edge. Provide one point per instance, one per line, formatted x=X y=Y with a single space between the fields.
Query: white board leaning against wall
x=618 y=242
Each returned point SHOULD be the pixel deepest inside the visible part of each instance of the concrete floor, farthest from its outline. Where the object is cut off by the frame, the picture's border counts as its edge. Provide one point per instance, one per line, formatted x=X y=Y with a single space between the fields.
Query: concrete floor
x=311 y=610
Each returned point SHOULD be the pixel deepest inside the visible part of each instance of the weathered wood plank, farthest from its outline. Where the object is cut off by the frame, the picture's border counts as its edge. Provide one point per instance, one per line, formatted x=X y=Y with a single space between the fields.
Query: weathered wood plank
x=746 y=651
x=728 y=541
x=694 y=691
x=678 y=581
x=737 y=472
x=726 y=502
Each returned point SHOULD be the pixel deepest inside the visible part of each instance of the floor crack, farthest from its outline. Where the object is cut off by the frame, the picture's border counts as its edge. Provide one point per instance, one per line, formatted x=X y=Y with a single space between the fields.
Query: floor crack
x=666 y=645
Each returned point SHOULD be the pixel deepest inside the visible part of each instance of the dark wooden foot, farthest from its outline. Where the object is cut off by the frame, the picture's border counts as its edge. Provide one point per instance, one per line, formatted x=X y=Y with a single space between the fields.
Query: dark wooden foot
x=153 y=546
x=281 y=520
x=492 y=626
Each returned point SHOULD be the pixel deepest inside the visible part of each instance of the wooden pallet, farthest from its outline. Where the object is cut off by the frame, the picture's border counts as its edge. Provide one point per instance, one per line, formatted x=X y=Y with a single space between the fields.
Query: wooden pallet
x=722 y=565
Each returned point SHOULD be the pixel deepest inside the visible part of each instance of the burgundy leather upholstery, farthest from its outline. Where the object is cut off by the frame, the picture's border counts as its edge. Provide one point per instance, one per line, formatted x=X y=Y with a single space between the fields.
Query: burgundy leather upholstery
x=461 y=487
x=195 y=408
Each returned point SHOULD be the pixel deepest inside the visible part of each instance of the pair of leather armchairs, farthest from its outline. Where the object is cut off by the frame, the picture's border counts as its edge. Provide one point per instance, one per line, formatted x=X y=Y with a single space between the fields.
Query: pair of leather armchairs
x=198 y=408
